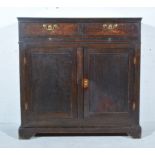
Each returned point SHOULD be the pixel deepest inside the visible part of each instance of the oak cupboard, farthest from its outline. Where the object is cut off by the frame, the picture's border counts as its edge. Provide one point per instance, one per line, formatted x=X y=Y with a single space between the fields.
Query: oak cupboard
x=79 y=75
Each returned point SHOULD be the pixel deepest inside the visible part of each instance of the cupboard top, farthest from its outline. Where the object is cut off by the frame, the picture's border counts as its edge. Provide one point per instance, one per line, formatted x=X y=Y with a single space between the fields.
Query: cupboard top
x=26 y=19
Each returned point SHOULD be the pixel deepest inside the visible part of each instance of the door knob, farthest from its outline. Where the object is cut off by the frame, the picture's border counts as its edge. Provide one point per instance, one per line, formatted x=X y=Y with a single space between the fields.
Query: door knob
x=85 y=83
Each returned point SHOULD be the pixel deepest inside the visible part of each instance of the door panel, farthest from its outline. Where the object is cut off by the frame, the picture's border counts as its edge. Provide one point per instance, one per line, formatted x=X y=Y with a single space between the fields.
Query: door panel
x=52 y=83
x=108 y=72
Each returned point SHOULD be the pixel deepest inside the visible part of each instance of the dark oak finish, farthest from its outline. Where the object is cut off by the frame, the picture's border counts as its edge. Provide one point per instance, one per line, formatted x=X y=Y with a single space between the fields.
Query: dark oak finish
x=53 y=82
x=108 y=71
x=79 y=76
x=38 y=29
x=112 y=28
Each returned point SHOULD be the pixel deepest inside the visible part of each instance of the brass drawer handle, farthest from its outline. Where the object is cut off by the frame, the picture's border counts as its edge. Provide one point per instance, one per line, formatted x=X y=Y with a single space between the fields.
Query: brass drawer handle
x=50 y=27
x=109 y=26
x=85 y=83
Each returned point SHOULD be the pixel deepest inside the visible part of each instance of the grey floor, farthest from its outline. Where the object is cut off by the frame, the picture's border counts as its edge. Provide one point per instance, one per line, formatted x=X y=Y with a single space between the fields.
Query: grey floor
x=9 y=138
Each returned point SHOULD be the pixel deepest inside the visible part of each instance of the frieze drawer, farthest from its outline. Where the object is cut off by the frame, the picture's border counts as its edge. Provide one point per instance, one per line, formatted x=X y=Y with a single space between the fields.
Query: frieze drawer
x=48 y=29
x=118 y=29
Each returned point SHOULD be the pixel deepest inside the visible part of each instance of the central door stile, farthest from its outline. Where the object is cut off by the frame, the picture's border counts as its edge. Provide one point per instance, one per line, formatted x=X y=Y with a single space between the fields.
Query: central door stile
x=79 y=82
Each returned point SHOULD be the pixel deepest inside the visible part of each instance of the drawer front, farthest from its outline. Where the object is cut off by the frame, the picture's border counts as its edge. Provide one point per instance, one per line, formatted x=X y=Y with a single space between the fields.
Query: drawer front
x=48 y=29
x=119 y=29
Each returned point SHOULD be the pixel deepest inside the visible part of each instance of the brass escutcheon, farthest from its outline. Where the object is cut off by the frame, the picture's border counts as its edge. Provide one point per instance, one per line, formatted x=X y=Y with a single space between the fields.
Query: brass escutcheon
x=85 y=83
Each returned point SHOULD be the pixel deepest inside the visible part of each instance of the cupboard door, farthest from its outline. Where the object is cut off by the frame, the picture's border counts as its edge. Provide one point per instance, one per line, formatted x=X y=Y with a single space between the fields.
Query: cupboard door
x=51 y=88
x=108 y=74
